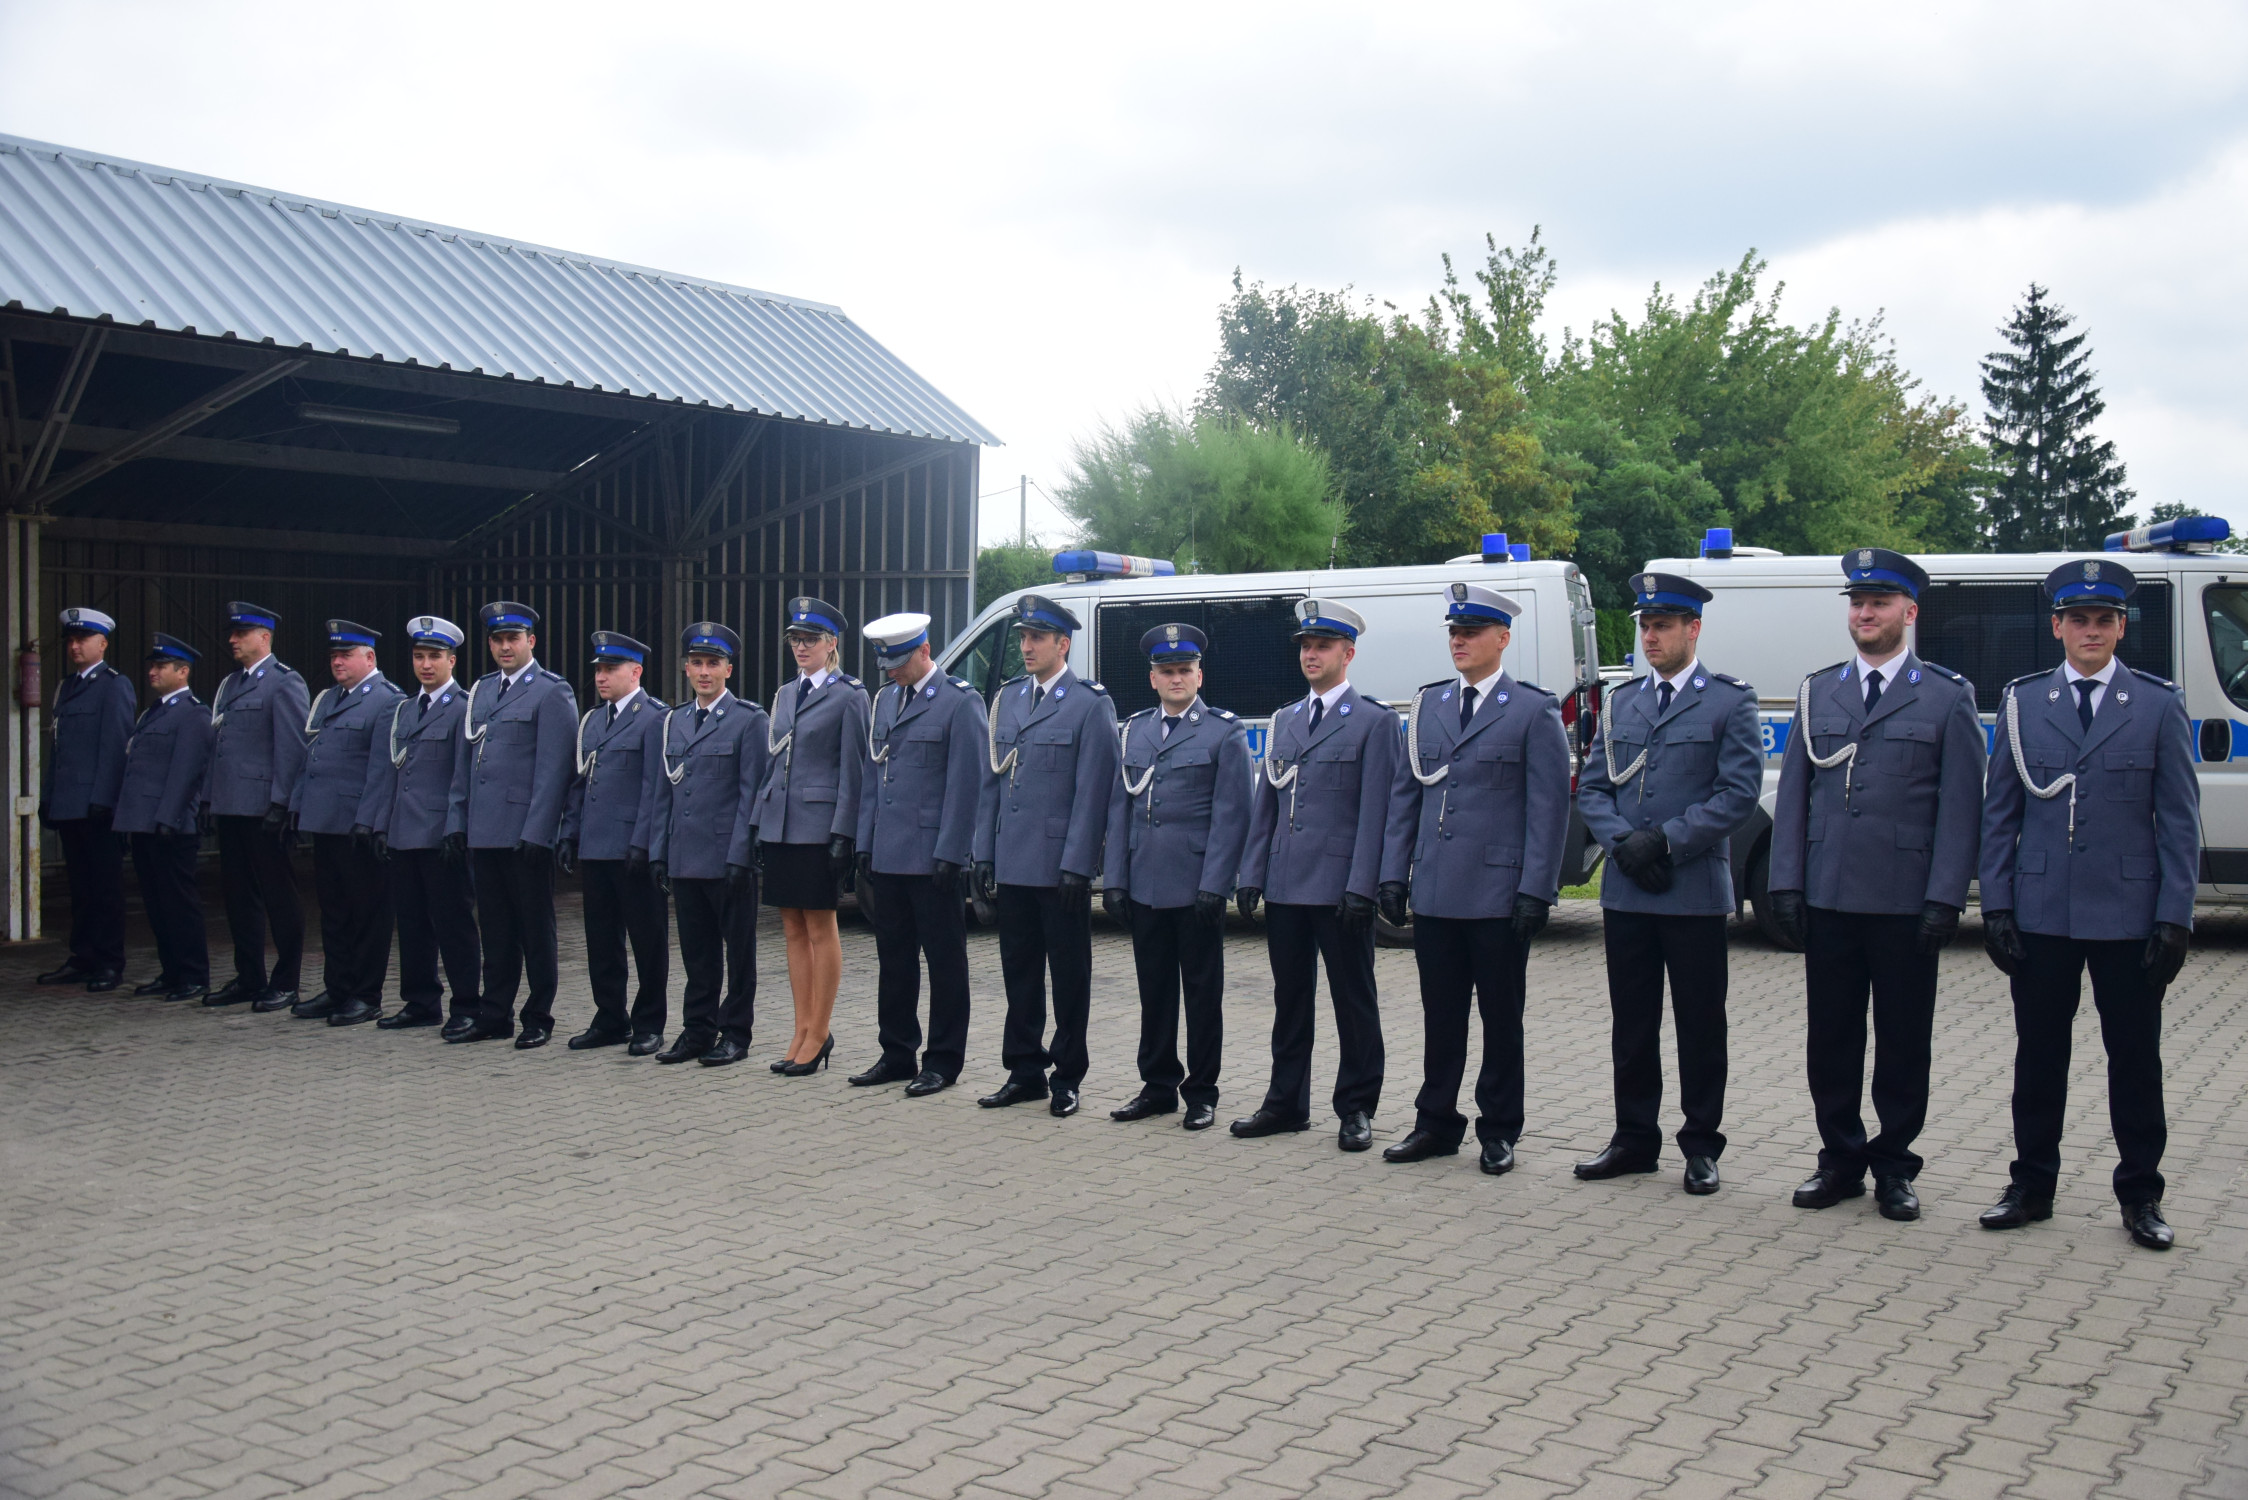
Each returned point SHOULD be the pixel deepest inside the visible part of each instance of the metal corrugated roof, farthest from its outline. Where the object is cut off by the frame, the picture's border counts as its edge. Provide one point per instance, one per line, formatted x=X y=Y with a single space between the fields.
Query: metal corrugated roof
x=97 y=237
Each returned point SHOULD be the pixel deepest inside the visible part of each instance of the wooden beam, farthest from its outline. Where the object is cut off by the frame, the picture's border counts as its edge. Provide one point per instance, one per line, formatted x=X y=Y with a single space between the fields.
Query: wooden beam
x=594 y=469
x=147 y=438
x=227 y=451
x=820 y=497
x=699 y=522
x=62 y=407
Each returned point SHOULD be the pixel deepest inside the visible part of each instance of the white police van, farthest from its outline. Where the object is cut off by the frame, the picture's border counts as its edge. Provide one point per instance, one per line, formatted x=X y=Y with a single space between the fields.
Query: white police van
x=1775 y=619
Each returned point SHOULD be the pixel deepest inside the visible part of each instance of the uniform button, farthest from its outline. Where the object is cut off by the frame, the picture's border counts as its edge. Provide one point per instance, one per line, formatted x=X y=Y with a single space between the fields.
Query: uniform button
x=1856 y=812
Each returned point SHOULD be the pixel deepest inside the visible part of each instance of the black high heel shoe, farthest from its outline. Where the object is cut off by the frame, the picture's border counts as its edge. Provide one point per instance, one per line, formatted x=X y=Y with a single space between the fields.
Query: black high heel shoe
x=804 y=1069
x=781 y=1064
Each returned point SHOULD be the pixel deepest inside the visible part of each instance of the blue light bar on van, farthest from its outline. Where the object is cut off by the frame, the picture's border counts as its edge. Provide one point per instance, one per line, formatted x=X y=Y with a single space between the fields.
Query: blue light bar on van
x=1519 y=551
x=1113 y=565
x=1718 y=542
x=2182 y=534
x=1495 y=548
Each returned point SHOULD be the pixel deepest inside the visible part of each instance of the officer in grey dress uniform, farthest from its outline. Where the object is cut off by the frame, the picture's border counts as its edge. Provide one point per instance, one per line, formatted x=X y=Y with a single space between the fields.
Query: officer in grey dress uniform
x=430 y=894
x=256 y=757
x=916 y=840
x=338 y=801
x=93 y=718
x=1676 y=769
x=607 y=828
x=1314 y=857
x=513 y=775
x=2091 y=852
x=165 y=763
x=1039 y=825
x=1478 y=811
x=704 y=783
x=1873 y=843
x=1178 y=815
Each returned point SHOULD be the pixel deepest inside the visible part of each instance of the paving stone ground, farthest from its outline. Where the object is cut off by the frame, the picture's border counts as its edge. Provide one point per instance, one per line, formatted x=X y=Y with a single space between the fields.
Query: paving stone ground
x=247 y=1256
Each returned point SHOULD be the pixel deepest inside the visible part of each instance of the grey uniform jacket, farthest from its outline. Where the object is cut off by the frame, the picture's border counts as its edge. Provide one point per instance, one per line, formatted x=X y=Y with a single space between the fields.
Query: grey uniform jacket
x=258 y=752
x=2136 y=856
x=514 y=773
x=1704 y=767
x=164 y=766
x=1897 y=825
x=1493 y=828
x=703 y=822
x=811 y=790
x=1049 y=811
x=93 y=717
x=1182 y=834
x=416 y=754
x=609 y=810
x=1321 y=835
x=919 y=804
x=346 y=777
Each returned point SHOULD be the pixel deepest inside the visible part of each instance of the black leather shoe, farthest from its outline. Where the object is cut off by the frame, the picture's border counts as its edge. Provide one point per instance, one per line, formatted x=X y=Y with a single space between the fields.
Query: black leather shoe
x=1065 y=1101
x=1419 y=1145
x=189 y=992
x=877 y=1075
x=1497 y=1159
x=1357 y=1132
x=1141 y=1107
x=458 y=1027
x=1615 y=1161
x=1828 y=1186
x=533 y=1037
x=646 y=1044
x=2015 y=1207
x=106 y=980
x=1896 y=1199
x=686 y=1047
x=1701 y=1175
x=926 y=1083
x=273 y=1000
x=596 y=1036
x=233 y=992
x=723 y=1052
x=69 y=973
x=1267 y=1121
x=1013 y=1091
x=1200 y=1117
x=2147 y=1225
x=482 y=1031
x=355 y=1013
x=408 y=1020
x=318 y=1008
x=157 y=986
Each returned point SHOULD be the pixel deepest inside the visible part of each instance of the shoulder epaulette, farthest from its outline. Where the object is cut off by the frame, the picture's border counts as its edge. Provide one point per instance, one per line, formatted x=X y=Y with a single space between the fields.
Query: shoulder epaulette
x=1942 y=671
x=1010 y=682
x=963 y=684
x=1096 y=687
x=2030 y=677
x=1424 y=687
x=1143 y=713
x=284 y=669
x=1533 y=687
x=656 y=703
x=1226 y=714
x=552 y=676
x=1821 y=672
x=1735 y=681
x=488 y=676
x=2150 y=677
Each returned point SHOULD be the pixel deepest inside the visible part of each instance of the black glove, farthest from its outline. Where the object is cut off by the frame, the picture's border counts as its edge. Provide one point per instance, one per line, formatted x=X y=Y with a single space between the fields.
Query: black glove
x=1939 y=924
x=1077 y=894
x=738 y=878
x=660 y=873
x=165 y=831
x=124 y=842
x=362 y=838
x=1209 y=906
x=2002 y=940
x=841 y=851
x=1246 y=900
x=95 y=811
x=1794 y=922
x=1390 y=896
x=566 y=856
x=454 y=849
x=1356 y=912
x=1116 y=903
x=1529 y=917
x=636 y=861
x=536 y=850
x=944 y=876
x=2166 y=953
x=1639 y=853
x=276 y=817
x=382 y=847
x=203 y=823
x=987 y=880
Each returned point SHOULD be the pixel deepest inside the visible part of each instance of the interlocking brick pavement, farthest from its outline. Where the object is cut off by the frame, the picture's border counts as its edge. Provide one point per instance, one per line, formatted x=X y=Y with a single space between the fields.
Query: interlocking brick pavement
x=247 y=1255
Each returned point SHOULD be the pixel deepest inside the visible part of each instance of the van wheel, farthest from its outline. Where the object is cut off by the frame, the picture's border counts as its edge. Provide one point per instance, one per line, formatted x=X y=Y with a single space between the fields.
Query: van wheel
x=1760 y=897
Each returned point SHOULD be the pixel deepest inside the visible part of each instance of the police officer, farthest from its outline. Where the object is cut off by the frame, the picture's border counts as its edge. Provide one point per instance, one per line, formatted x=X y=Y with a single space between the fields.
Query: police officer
x=418 y=751
x=1178 y=815
x=1315 y=848
x=165 y=762
x=608 y=825
x=1039 y=825
x=916 y=838
x=337 y=801
x=256 y=756
x=704 y=783
x=1478 y=812
x=1677 y=768
x=93 y=717
x=1873 y=843
x=2091 y=851
x=509 y=784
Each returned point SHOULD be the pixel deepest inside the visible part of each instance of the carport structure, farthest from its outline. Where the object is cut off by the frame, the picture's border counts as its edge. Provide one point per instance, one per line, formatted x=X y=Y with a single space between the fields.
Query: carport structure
x=213 y=391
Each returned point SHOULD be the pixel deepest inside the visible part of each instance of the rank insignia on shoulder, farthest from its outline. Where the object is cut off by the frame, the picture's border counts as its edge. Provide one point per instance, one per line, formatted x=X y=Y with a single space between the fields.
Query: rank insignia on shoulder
x=1840 y=666
x=551 y=676
x=1441 y=682
x=1735 y=681
x=1944 y=672
x=2028 y=677
x=2157 y=681
x=1096 y=687
x=1226 y=714
x=963 y=684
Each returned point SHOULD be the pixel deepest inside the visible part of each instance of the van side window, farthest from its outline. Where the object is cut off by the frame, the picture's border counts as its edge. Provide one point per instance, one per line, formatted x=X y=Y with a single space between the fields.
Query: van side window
x=2225 y=606
x=995 y=657
x=1251 y=668
x=1992 y=633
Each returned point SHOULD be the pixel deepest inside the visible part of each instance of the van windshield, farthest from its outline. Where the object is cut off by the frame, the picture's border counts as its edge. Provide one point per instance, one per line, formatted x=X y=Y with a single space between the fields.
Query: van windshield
x=1251 y=669
x=2225 y=607
x=995 y=657
x=1991 y=633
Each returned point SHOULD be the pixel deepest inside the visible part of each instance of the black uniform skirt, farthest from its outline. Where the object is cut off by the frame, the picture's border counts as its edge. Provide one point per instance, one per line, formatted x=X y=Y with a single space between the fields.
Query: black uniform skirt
x=796 y=875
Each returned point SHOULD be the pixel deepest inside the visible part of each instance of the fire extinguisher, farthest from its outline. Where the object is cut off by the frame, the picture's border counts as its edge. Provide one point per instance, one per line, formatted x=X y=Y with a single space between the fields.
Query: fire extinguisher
x=27 y=675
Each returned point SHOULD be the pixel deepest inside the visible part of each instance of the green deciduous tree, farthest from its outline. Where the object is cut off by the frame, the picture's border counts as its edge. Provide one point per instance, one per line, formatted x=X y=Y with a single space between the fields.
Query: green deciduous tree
x=1005 y=568
x=2057 y=485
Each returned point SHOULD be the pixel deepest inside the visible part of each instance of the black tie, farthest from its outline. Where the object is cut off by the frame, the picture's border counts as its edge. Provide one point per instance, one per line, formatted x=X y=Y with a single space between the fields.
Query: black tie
x=2084 y=689
x=1318 y=712
x=612 y=720
x=1873 y=689
x=424 y=707
x=1662 y=700
x=803 y=691
x=1170 y=722
x=700 y=715
x=1037 y=696
x=505 y=684
x=1467 y=707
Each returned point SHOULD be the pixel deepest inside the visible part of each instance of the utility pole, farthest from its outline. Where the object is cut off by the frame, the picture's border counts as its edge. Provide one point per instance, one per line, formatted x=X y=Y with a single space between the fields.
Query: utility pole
x=1022 y=531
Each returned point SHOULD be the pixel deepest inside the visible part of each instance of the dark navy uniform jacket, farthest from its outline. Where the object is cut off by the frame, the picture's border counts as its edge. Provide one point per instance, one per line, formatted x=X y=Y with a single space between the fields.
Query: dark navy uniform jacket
x=1897 y=826
x=1322 y=834
x=1704 y=767
x=93 y=717
x=610 y=811
x=164 y=767
x=2136 y=855
x=416 y=755
x=346 y=766
x=703 y=822
x=259 y=749
x=1493 y=828
x=918 y=805
x=515 y=771
x=1182 y=833
x=811 y=790
x=1049 y=811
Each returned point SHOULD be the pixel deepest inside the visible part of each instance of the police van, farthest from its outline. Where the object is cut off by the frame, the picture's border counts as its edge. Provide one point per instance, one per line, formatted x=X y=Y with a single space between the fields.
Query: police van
x=1251 y=668
x=1775 y=619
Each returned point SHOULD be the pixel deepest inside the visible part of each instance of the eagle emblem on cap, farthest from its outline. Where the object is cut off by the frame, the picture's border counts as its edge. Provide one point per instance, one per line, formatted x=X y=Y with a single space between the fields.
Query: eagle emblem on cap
x=1170 y=632
x=2091 y=570
x=1459 y=591
x=1865 y=557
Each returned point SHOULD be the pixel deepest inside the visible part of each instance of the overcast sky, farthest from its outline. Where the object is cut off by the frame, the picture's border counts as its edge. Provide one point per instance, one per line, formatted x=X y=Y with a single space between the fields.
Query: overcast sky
x=1040 y=209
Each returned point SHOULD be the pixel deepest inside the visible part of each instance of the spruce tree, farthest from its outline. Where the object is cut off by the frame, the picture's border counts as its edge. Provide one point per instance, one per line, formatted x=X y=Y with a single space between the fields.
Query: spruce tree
x=2059 y=487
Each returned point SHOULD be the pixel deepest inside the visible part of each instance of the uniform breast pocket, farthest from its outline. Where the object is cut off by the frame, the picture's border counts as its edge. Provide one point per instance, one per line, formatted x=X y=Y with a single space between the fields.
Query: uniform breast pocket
x=1908 y=747
x=2128 y=775
x=1050 y=749
x=925 y=745
x=1500 y=763
x=1690 y=750
x=513 y=731
x=1627 y=750
x=1828 y=735
x=1335 y=767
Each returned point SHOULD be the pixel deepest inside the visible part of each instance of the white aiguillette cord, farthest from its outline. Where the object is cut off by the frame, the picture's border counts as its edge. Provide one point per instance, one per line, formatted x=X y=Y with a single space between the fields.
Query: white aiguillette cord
x=2065 y=782
x=670 y=775
x=1413 y=745
x=991 y=747
x=1124 y=745
x=1846 y=757
x=882 y=755
x=587 y=760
